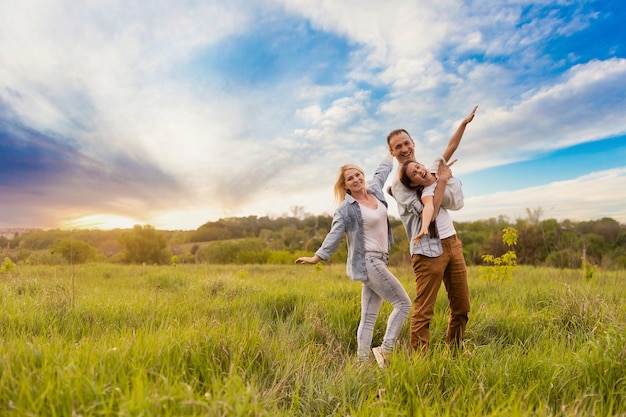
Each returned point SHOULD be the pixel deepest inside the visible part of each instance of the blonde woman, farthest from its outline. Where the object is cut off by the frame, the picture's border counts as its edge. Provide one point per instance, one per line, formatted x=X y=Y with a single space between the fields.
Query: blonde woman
x=362 y=216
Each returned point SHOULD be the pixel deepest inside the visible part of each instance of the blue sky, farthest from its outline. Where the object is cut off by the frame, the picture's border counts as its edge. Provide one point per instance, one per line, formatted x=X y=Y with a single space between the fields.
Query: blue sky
x=173 y=114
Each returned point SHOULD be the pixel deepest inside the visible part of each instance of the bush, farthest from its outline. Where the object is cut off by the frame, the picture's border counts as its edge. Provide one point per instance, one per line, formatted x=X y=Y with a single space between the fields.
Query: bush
x=144 y=245
x=7 y=266
x=501 y=268
x=244 y=251
x=74 y=251
x=281 y=257
x=566 y=258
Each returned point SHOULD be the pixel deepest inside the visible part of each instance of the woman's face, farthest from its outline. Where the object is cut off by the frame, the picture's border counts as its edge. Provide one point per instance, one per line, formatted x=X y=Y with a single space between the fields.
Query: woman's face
x=353 y=180
x=419 y=174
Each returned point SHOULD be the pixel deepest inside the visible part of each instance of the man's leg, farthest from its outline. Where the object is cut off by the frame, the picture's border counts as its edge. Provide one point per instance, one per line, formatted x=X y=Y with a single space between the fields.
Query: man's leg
x=428 y=277
x=455 y=281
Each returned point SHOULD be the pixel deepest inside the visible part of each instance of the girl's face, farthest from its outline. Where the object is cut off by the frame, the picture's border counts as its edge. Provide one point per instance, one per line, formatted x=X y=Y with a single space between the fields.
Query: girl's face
x=353 y=180
x=419 y=175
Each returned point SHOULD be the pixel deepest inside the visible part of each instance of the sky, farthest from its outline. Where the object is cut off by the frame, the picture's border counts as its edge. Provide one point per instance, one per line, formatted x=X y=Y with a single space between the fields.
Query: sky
x=177 y=113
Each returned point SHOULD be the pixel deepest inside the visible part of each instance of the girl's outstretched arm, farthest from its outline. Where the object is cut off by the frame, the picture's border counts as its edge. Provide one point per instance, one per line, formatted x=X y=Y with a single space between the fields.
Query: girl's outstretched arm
x=455 y=140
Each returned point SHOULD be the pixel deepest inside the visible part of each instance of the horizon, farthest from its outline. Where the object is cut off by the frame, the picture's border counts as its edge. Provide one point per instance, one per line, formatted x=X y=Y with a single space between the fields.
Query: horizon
x=5 y=230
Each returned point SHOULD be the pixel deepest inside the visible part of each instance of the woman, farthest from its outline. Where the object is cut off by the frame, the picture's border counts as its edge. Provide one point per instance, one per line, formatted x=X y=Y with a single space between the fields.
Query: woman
x=362 y=215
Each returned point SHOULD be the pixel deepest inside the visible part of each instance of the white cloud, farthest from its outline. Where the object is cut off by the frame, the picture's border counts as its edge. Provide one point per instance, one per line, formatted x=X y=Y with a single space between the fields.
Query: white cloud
x=585 y=105
x=594 y=196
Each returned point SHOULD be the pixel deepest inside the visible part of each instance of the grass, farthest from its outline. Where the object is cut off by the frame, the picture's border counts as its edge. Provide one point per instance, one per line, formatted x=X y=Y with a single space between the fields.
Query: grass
x=191 y=340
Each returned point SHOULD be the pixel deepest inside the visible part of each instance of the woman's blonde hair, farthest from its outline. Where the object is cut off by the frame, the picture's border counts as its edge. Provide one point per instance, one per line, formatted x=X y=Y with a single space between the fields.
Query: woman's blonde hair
x=340 y=185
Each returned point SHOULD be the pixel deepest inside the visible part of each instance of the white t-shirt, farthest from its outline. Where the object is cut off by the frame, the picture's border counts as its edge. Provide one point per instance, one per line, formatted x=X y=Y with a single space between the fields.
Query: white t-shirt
x=452 y=199
x=375 y=228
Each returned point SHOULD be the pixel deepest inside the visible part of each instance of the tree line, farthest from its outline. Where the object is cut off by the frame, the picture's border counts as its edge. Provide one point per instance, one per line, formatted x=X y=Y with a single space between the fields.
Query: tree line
x=252 y=239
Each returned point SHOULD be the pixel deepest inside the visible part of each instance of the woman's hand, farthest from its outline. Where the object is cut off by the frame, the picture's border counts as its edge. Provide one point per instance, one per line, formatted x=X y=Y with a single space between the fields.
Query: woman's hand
x=308 y=260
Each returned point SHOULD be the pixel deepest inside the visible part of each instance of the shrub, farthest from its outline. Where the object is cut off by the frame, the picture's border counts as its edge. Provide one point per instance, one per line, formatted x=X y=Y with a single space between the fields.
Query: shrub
x=501 y=268
x=74 y=251
x=144 y=245
x=243 y=251
x=7 y=266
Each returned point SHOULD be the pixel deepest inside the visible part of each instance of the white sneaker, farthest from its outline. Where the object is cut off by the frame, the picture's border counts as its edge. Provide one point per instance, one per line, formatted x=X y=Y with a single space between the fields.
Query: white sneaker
x=381 y=356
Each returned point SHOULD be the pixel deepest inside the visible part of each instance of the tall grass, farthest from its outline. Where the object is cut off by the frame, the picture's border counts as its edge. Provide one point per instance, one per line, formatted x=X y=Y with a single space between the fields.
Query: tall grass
x=281 y=341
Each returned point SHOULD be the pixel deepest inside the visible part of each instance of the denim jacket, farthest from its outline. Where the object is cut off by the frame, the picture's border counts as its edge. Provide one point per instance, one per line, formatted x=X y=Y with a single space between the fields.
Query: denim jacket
x=347 y=218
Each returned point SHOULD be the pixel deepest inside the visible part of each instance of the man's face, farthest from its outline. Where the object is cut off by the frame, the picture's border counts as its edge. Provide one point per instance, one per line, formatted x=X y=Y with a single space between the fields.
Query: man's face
x=402 y=147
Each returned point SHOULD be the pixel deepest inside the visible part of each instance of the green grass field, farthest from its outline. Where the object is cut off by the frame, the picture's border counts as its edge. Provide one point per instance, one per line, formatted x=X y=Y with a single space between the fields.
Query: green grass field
x=198 y=340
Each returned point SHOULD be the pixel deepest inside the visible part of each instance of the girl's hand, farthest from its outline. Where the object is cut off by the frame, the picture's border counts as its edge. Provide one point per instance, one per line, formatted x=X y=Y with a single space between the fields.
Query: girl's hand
x=444 y=173
x=419 y=236
x=471 y=116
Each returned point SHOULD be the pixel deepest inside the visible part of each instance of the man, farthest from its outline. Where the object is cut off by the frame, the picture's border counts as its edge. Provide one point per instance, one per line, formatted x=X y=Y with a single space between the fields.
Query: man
x=434 y=259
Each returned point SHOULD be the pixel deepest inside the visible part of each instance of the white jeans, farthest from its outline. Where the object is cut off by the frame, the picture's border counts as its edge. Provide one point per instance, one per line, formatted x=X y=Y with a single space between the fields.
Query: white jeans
x=380 y=285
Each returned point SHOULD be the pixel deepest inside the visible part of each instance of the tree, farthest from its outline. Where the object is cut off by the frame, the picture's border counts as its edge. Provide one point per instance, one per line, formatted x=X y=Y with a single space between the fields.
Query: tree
x=40 y=239
x=144 y=244
x=74 y=251
x=532 y=250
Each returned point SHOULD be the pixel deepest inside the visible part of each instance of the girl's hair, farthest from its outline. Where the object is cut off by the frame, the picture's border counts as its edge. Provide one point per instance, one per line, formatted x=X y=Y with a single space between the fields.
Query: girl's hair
x=340 y=185
x=406 y=181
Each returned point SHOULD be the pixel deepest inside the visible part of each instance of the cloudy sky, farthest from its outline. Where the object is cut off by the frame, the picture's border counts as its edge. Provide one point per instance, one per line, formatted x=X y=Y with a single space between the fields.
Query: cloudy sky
x=175 y=113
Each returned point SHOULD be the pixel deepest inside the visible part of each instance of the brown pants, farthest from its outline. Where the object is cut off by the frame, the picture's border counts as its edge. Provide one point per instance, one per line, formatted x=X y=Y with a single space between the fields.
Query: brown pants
x=429 y=272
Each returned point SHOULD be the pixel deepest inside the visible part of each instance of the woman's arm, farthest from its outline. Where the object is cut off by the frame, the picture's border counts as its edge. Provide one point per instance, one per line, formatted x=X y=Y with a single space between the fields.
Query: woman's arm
x=331 y=241
x=308 y=260
x=382 y=172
